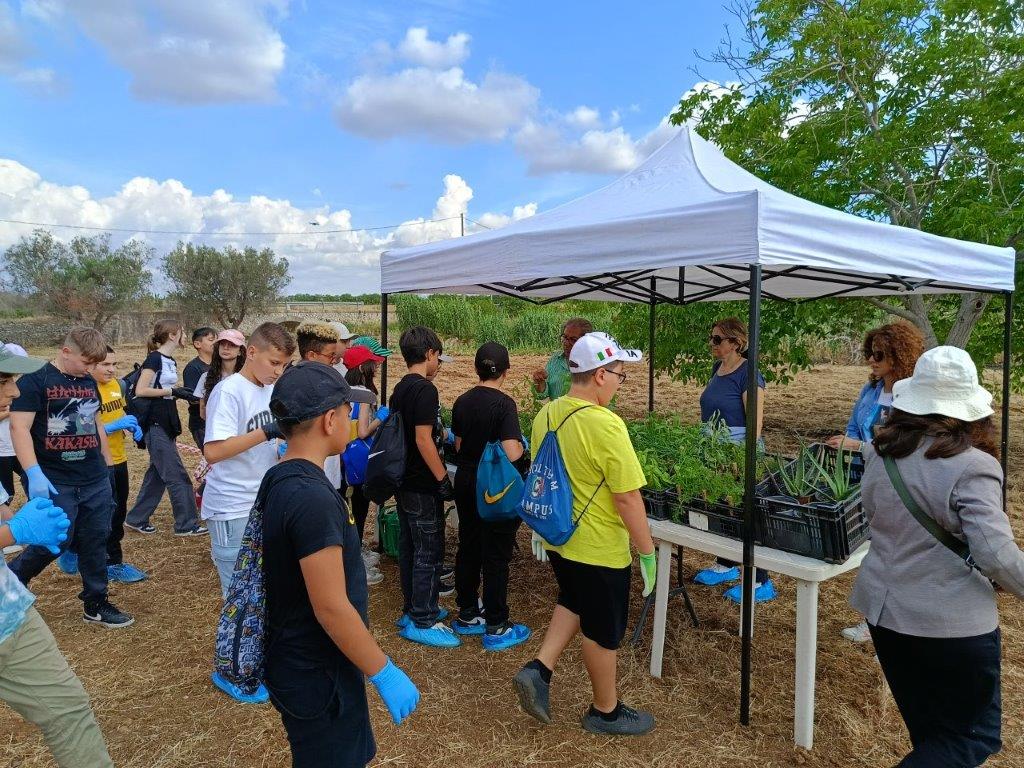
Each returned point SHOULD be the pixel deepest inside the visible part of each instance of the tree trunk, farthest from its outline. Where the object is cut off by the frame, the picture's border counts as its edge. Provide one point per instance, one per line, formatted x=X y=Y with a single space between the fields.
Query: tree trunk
x=972 y=307
x=918 y=308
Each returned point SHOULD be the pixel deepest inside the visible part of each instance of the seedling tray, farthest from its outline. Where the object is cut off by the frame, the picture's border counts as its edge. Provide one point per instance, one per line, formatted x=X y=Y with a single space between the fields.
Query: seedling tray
x=660 y=505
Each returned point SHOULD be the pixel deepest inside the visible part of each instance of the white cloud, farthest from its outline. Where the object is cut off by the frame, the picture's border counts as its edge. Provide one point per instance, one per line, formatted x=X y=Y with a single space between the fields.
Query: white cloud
x=417 y=48
x=184 y=52
x=441 y=104
x=499 y=220
x=584 y=117
x=320 y=261
x=15 y=53
x=549 y=148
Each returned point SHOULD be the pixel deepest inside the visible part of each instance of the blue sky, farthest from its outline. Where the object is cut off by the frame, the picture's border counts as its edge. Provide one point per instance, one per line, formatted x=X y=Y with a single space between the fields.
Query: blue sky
x=133 y=113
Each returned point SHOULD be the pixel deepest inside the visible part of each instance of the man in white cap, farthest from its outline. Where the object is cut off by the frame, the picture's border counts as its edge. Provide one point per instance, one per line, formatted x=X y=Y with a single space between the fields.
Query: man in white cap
x=593 y=567
x=345 y=337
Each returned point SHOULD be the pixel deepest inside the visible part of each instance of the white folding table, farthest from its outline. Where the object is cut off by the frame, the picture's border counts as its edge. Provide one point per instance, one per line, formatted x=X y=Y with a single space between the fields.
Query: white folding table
x=807 y=572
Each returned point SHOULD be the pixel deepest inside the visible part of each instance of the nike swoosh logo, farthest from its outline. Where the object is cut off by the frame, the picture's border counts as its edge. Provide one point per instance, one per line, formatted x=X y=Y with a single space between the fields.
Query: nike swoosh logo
x=97 y=617
x=499 y=496
x=376 y=453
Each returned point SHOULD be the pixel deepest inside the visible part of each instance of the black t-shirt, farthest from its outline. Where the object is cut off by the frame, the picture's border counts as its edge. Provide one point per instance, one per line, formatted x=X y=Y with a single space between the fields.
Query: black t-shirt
x=303 y=514
x=190 y=378
x=64 y=432
x=481 y=416
x=162 y=410
x=417 y=400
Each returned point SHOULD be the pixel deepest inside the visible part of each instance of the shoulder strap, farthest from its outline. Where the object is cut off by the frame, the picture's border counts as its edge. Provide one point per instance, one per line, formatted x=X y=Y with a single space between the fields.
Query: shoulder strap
x=944 y=537
x=569 y=416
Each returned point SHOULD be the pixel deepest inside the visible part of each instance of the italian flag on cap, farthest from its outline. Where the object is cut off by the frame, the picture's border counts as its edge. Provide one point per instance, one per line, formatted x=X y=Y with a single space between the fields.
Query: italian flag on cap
x=606 y=354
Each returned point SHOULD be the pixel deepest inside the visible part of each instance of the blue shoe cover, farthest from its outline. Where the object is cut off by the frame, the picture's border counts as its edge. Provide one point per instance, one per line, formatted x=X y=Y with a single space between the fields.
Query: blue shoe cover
x=124 y=573
x=404 y=621
x=68 y=563
x=709 y=577
x=516 y=634
x=261 y=696
x=435 y=636
x=762 y=594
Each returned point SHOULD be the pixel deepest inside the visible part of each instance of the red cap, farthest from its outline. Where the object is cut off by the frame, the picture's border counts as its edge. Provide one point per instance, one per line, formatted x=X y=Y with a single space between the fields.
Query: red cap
x=357 y=355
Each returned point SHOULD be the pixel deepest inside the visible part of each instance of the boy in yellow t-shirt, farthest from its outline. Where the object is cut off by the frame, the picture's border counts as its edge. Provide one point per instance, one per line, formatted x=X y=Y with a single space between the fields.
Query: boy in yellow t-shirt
x=115 y=423
x=593 y=567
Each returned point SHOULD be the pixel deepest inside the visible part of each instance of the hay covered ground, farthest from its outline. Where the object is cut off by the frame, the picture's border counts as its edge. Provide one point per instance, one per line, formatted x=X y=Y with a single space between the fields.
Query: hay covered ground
x=151 y=691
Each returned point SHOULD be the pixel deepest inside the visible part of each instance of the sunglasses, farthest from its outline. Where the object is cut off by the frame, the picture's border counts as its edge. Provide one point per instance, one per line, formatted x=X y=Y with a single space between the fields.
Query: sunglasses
x=876 y=355
x=715 y=339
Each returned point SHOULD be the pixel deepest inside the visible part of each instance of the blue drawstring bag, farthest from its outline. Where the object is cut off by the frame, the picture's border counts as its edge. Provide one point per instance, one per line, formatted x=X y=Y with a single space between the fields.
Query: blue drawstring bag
x=499 y=486
x=547 y=504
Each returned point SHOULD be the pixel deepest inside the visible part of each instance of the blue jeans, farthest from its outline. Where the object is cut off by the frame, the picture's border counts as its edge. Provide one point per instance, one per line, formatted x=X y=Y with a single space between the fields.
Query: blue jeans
x=420 y=554
x=225 y=541
x=89 y=508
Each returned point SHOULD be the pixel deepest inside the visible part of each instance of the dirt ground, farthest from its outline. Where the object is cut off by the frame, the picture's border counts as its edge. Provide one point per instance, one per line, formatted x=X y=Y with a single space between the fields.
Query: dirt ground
x=151 y=691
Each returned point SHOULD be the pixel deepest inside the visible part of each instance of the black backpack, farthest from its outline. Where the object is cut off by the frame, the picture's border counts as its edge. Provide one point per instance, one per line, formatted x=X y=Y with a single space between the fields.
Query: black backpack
x=385 y=466
x=134 y=405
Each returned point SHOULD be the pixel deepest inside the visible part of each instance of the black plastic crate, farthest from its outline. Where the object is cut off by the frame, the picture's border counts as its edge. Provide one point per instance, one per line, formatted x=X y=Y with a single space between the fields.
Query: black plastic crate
x=829 y=532
x=716 y=517
x=660 y=505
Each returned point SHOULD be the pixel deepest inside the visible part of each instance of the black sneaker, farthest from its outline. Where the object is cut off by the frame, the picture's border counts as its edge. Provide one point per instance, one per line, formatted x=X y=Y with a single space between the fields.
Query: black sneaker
x=533 y=693
x=104 y=613
x=197 y=530
x=145 y=528
x=629 y=722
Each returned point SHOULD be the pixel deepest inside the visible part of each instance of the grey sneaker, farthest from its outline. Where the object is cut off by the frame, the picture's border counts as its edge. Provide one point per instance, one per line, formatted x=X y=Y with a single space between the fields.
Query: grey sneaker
x=630 y=722
x=533 y=694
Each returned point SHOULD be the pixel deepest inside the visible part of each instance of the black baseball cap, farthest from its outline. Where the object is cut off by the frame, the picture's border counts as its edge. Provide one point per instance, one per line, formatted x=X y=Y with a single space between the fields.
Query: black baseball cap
x=493 y=357
x=310 y=388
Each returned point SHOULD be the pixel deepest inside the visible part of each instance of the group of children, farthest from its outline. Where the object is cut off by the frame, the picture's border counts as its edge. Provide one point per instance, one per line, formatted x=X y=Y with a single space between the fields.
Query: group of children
x=273 y=432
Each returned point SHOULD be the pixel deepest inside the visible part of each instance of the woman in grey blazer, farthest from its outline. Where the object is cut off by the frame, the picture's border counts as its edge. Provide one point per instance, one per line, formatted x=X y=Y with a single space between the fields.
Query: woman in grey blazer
x=932 y=613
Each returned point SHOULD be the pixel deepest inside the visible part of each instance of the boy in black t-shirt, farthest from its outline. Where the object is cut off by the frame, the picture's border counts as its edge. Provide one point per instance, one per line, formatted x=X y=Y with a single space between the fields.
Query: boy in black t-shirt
x=58 y=439
x=318 y=642
x=425 y=488
x=203 y=340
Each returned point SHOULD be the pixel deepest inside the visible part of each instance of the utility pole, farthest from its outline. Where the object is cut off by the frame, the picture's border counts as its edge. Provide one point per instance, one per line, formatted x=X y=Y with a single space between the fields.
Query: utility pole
x=462 y=224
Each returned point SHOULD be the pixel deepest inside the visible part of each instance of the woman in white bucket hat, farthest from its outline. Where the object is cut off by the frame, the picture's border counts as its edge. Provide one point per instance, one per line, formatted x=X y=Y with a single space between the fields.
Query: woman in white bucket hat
x=940 y=539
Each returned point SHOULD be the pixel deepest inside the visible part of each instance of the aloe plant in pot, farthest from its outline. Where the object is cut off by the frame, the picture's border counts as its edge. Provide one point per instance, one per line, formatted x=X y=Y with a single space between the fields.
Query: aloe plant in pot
x=836 y=484
x=799 y=478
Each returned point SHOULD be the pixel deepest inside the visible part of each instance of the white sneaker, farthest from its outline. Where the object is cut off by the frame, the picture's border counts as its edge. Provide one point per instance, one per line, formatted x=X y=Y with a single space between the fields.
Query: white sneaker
x=858 y=634
x=370 y=557
x=13 y=549
x=373 y=576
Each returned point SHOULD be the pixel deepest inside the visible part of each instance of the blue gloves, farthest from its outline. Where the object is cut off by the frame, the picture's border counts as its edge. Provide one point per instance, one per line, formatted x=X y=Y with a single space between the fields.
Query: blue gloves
x=397 y=690
x=383 y=412
x=38 y=486
x=39 y=522
x=282 y=448
x=449 y=437
x=128 y=422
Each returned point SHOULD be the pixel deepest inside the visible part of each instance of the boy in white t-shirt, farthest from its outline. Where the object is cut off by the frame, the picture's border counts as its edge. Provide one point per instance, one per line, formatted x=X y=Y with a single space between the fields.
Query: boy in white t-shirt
x=240 y=442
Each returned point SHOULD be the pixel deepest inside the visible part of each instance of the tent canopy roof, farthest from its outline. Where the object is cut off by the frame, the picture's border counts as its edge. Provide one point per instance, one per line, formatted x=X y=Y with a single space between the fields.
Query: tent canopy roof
x=685 y=226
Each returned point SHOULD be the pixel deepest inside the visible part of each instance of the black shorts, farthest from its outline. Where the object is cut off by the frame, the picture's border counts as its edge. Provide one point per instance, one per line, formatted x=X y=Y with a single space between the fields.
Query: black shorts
x=598 y=595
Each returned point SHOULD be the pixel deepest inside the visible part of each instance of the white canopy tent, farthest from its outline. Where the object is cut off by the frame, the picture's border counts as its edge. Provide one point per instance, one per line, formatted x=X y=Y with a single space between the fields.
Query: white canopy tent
x=689 y=225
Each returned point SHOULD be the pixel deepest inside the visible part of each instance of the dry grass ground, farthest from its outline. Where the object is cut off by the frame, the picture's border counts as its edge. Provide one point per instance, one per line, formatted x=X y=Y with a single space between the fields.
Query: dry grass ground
x=151 y=691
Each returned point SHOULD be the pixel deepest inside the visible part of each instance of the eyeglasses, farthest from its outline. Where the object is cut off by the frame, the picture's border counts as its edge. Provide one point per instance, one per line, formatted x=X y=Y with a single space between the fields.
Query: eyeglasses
x=877 y=355
x=715 y=339
x=622 y=376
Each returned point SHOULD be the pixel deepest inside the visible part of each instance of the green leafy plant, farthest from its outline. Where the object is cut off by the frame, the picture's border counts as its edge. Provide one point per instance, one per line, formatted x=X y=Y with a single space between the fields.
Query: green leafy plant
x=799 y=477
x=836 y=482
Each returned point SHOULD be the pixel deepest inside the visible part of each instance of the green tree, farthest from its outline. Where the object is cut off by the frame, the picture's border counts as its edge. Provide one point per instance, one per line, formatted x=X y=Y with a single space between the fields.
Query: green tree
x=906 y=111
x=83 y=280
x=227 y=284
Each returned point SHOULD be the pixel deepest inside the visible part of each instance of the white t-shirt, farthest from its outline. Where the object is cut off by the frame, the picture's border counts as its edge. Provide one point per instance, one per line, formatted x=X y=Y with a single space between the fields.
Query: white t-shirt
x=237 y=406
x=6 y=445
x=885 y=399
x=200 y=385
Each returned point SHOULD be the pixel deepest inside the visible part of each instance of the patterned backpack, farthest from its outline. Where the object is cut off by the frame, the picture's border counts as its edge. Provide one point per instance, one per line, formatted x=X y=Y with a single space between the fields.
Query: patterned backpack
x=241 y=630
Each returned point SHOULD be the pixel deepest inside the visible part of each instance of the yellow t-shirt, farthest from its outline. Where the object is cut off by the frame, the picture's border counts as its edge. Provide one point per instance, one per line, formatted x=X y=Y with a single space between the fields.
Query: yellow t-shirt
x=595 y=446
x=112 y=409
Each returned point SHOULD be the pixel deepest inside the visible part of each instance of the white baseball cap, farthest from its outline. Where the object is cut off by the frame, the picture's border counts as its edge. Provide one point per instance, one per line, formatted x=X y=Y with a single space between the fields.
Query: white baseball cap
x=596 y=349
x=344 y=334
x=945 y=382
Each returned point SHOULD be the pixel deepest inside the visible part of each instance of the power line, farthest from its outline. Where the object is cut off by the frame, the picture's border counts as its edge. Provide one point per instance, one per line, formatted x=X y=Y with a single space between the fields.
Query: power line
x=221 y=234
x=474 y=221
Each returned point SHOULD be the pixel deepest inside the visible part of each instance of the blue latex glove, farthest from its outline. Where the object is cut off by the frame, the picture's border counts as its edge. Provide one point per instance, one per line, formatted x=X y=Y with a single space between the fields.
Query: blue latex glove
x=397 y=690
x=282 y=448
x=449 y=437
x=383 y=412
x=127 y=422
x=39 y=522
x=38 y=486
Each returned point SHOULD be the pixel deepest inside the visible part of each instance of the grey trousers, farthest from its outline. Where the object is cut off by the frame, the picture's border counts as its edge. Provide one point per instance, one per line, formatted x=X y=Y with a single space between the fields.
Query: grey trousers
x=166 y=472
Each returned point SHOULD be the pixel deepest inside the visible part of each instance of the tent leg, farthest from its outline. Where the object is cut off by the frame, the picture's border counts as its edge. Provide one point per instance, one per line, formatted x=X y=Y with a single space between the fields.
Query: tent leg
x=1004 y=448
x=384 y=342
x=749 y=481
x=650 y=351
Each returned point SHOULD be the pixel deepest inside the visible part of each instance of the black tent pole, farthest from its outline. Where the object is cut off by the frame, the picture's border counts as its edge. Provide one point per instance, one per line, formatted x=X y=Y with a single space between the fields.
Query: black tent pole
x=1004 y=448
x=749 y=481
x=384 y=343
x=650 y=349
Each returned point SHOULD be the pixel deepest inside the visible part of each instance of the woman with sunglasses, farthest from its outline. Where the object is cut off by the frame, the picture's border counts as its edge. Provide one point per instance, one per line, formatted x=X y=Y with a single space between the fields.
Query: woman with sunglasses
x=725 y=399
x=891 y=351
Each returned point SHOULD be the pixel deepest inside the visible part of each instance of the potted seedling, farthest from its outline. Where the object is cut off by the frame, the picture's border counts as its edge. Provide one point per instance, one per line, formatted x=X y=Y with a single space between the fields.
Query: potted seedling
x=799 y=478
x=836 y=483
